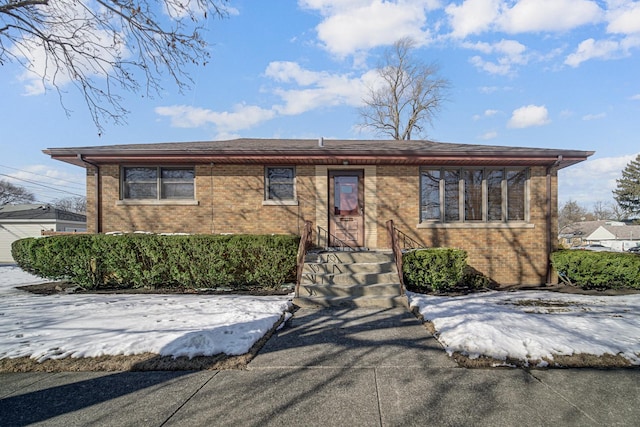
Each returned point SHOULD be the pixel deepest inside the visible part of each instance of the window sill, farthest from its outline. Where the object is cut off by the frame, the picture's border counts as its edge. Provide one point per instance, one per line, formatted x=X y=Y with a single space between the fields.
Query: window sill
x=476 y=225
x=279 y=203
x=155 y=202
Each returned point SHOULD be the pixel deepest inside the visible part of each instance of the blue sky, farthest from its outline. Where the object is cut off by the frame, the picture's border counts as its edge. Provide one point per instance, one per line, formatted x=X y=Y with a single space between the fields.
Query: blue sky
x=536 y=73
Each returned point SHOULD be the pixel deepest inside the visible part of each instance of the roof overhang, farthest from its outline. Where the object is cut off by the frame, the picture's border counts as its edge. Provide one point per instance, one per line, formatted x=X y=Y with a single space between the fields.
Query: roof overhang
x=384 y=153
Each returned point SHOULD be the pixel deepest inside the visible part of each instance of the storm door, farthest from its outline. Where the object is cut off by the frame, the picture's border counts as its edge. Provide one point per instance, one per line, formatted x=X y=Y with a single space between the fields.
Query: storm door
x=346 y=210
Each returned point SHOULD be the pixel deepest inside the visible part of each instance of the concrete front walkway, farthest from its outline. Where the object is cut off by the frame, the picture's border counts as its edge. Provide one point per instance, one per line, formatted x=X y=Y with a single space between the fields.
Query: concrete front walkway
x=362 y=367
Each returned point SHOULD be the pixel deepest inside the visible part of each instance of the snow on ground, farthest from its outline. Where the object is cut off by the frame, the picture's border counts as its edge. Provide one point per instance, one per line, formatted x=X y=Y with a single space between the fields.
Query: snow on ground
x=531 y=325
x=56 y=326
x=524 y=325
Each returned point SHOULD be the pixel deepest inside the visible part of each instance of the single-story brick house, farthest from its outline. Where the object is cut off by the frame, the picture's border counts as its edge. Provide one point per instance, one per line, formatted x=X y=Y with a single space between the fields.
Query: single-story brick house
x=497 y=203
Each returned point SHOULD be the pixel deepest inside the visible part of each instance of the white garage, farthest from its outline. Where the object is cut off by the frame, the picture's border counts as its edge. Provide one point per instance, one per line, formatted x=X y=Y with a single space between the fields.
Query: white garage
x=20 y=221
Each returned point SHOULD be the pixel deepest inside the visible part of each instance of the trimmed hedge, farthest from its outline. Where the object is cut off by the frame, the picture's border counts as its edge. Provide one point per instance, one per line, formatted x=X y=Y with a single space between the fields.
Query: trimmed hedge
x=148 y=260
x=440 y=270
x=597 y=270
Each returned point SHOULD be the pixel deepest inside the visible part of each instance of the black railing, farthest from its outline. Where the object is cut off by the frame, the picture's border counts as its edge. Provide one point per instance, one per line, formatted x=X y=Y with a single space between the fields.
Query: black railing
x=407 y=242
x=333 y=242
x=399 y=241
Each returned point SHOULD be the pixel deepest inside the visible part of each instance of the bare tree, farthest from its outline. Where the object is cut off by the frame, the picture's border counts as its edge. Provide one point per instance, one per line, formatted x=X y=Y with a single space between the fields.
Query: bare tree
x=571 y=212
x=12 y=194
x=602 y=211
x=72 y=204
x=106 y=47
x=407 y=95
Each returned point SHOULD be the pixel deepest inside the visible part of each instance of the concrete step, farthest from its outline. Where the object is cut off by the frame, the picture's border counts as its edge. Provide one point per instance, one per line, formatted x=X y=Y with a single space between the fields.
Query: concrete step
x=363 y=267
x=348 y=278
x=364 y=301
x=357 y=279
x=355 y=291
x=349 y=257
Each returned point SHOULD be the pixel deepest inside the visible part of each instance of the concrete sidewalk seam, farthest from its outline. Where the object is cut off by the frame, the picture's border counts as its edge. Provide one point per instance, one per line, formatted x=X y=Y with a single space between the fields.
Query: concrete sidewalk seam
x=577 y=408
x=375 y=380
x=188 y=399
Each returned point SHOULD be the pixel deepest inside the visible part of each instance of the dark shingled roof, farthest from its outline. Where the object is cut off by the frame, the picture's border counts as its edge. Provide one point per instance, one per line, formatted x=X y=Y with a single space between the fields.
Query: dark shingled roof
x=308 y=151
x=38 y=212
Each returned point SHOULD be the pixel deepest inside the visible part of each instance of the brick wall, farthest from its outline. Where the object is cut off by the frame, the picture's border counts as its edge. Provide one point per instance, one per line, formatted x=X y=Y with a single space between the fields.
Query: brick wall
x=509 y=254
x=229 y=199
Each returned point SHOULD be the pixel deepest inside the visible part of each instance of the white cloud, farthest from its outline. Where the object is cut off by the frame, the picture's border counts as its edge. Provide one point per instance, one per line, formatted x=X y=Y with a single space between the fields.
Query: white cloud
x=299 y=90
x=635 y=97
x=590 y=49
x=489 y=135
x=315 y=89
x=351 y=26
x=529 y=115
x=509 y=52
x=473 y=16
x=624 y=18
x=242 y=116
x=548 y=15
x=597 y=116
x=478 y=16
x=485 y=114
x=593 y=180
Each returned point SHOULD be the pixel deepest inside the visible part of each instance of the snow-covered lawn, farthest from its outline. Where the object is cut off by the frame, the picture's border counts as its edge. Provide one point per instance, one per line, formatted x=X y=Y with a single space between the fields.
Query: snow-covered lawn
x=532 y=325
x=58 y=326
x=519 y=325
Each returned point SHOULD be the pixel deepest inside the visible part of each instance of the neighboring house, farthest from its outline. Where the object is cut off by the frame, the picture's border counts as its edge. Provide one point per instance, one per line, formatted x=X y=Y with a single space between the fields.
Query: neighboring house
x=497 y=203
x=612 y=234
x=20 y=221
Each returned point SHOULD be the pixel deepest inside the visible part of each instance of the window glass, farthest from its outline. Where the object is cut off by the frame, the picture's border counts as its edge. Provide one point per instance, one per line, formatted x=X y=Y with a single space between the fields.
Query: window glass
x=143 y=183
x=430 y=195
x=472 y=194
x=468 y=194
x=494 y=195
x=280 y=183
x=451 y=195
x=345 y=200
x=516 y=180
x=140 y=183
x=177 y=183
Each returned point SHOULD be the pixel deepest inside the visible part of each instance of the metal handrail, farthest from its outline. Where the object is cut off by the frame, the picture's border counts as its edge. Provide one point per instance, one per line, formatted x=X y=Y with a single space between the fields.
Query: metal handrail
x=396 y=236
x=305 y=242
x=407 y=241
x=333 y=241
x=397 y=252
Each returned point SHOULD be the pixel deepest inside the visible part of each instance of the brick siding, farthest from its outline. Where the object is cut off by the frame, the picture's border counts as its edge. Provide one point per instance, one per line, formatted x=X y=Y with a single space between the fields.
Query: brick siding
x=229 y=199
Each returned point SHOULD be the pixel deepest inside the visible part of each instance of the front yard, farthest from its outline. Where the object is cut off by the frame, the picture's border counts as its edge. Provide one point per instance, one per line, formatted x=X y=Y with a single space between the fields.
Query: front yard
x=116 y=332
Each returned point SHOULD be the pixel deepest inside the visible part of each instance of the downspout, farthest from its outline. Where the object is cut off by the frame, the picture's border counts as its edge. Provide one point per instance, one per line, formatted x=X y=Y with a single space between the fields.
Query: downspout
x=549 y=242
x=97 y=190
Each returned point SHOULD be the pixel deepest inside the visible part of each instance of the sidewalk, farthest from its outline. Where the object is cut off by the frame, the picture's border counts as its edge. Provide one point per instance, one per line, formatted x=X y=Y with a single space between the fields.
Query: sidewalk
x=361 y=367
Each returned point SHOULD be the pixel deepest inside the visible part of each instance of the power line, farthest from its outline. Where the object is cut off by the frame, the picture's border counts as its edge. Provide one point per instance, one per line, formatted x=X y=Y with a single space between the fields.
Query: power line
x=37 y=174
x=42 y=185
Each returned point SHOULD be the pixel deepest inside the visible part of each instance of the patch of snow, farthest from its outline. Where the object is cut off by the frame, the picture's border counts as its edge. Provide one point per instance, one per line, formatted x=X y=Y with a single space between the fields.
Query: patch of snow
x=532 y=325
x=58 y=326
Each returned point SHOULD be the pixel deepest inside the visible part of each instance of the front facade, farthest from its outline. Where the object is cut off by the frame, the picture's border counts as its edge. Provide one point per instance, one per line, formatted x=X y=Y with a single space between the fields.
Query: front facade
x=497 y=203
